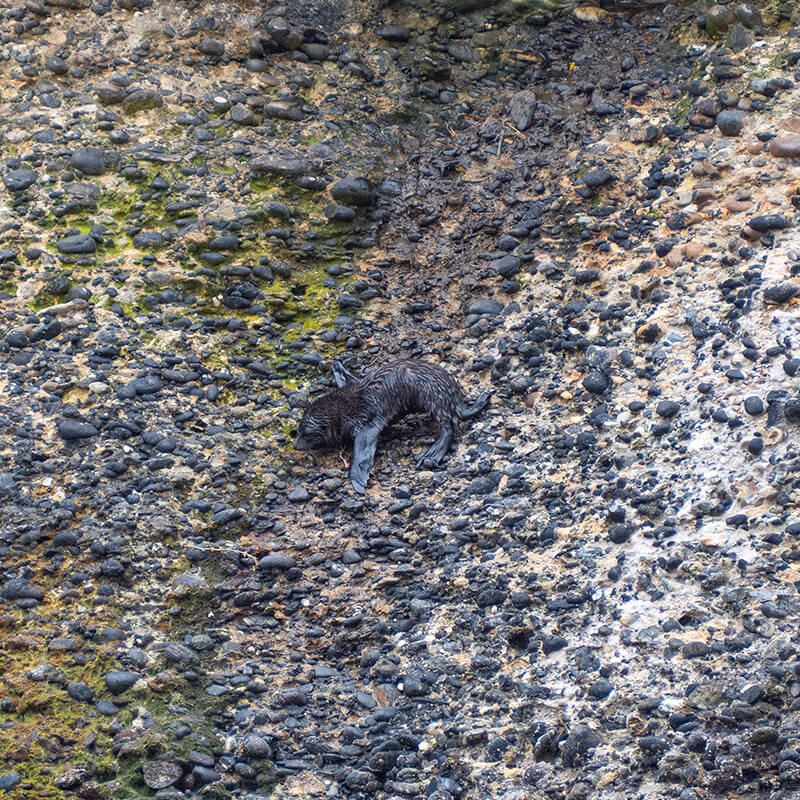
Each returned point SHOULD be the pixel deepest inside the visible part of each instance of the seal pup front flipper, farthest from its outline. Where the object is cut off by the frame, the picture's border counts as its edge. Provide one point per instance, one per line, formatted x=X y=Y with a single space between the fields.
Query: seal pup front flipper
x=364 y=444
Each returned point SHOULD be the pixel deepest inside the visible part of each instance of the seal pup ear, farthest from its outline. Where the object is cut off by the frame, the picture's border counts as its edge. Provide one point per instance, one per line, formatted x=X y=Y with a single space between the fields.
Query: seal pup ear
x=340 y=375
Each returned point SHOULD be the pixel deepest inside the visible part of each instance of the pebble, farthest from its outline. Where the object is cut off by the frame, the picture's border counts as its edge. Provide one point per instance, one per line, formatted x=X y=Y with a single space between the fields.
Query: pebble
x=78 y=243
x=18 y=180
x=89 y=160
x=72 y=430
x=353 y=190
x=161 y=774
x=393 y=33
x=490 y=307
x=8 y=780
x=80 y=691
x=276 y=561
x=730 y=123
x=785 y=146
x=21 y=588
x=667 y=409
x=620 y=532
x=754 y=406
x=597 y=177
x=254 y=746
x=57 y=65
x=595 y=382
x=780 y=294
x=522 y=109
x=120 y=681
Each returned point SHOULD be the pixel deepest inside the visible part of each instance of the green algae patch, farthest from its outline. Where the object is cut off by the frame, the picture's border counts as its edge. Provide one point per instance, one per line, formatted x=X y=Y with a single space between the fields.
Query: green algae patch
x=681 y=109
x=42 y=728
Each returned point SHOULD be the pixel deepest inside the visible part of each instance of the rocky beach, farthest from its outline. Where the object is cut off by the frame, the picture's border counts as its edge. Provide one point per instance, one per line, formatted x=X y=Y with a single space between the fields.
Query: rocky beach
x=592 y=210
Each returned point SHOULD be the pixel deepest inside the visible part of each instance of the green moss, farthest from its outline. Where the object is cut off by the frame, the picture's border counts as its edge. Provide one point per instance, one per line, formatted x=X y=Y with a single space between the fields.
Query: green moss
x=128 y=309
x=680 y=110
x=40 y=301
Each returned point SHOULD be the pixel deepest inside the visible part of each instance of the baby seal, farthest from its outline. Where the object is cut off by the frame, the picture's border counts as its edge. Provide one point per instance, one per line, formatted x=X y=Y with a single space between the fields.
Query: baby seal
x=356 y=412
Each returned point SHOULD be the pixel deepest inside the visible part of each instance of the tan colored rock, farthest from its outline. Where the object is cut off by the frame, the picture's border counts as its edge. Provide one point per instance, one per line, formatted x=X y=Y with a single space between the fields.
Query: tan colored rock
x=694 y=250
x=785 y=146
x=71 y=307
x=675 y=257
x=590 y=14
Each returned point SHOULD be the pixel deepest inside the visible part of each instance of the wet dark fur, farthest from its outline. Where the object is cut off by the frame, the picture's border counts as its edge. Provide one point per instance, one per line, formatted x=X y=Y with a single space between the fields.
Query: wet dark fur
x=356 y=412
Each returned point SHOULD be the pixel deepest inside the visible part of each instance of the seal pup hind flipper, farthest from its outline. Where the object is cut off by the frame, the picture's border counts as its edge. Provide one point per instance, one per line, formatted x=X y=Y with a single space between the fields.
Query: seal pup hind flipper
x=472 y=410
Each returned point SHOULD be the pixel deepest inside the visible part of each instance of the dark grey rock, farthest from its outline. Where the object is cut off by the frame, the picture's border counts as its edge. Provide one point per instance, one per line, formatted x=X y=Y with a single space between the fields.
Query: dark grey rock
x=653 y=744
x=77 y=244
x=695 y=649
x=18 y=180
x=596 y=382
x=57 y=65
x=119 y=681
x=337 y=213
x=148 y=239
x=211 y=47
x=242 y=115
x=276 y=561
x=768 y=222
x=80 y=691
x=487 y=306
x=577 y=745
x=718 y=19
x=780 y=294
x=72 y=430
x=393 y=33
x=667 y=409
x=283 y=36
x=730 y=123
x=600 y=689
x=149 y=384
x=89 y=160
x=255 y=746
x=620 y=532
x=754 y=406
x=142 y=100
x=597 y=177
x=9 y=780
x=19 y=588
x=353 y=190
x=282 y=163
x=205 y=775
x=522 y=109
x=764 y=734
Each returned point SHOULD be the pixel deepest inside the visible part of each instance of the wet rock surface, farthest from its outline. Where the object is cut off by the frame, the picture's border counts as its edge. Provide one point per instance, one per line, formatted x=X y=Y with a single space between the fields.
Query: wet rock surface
x=594 y=212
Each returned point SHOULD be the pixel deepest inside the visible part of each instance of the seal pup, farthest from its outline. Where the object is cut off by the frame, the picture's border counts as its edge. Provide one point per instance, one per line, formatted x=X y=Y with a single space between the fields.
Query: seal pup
x=358 y=410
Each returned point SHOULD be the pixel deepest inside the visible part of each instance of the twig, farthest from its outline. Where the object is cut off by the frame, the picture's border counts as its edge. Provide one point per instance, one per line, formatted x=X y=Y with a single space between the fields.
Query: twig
x=238 y=552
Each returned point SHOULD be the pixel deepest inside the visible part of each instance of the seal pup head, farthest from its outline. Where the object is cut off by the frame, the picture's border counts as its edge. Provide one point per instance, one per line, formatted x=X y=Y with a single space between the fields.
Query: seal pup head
x=315 y=429
x=321 y=423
